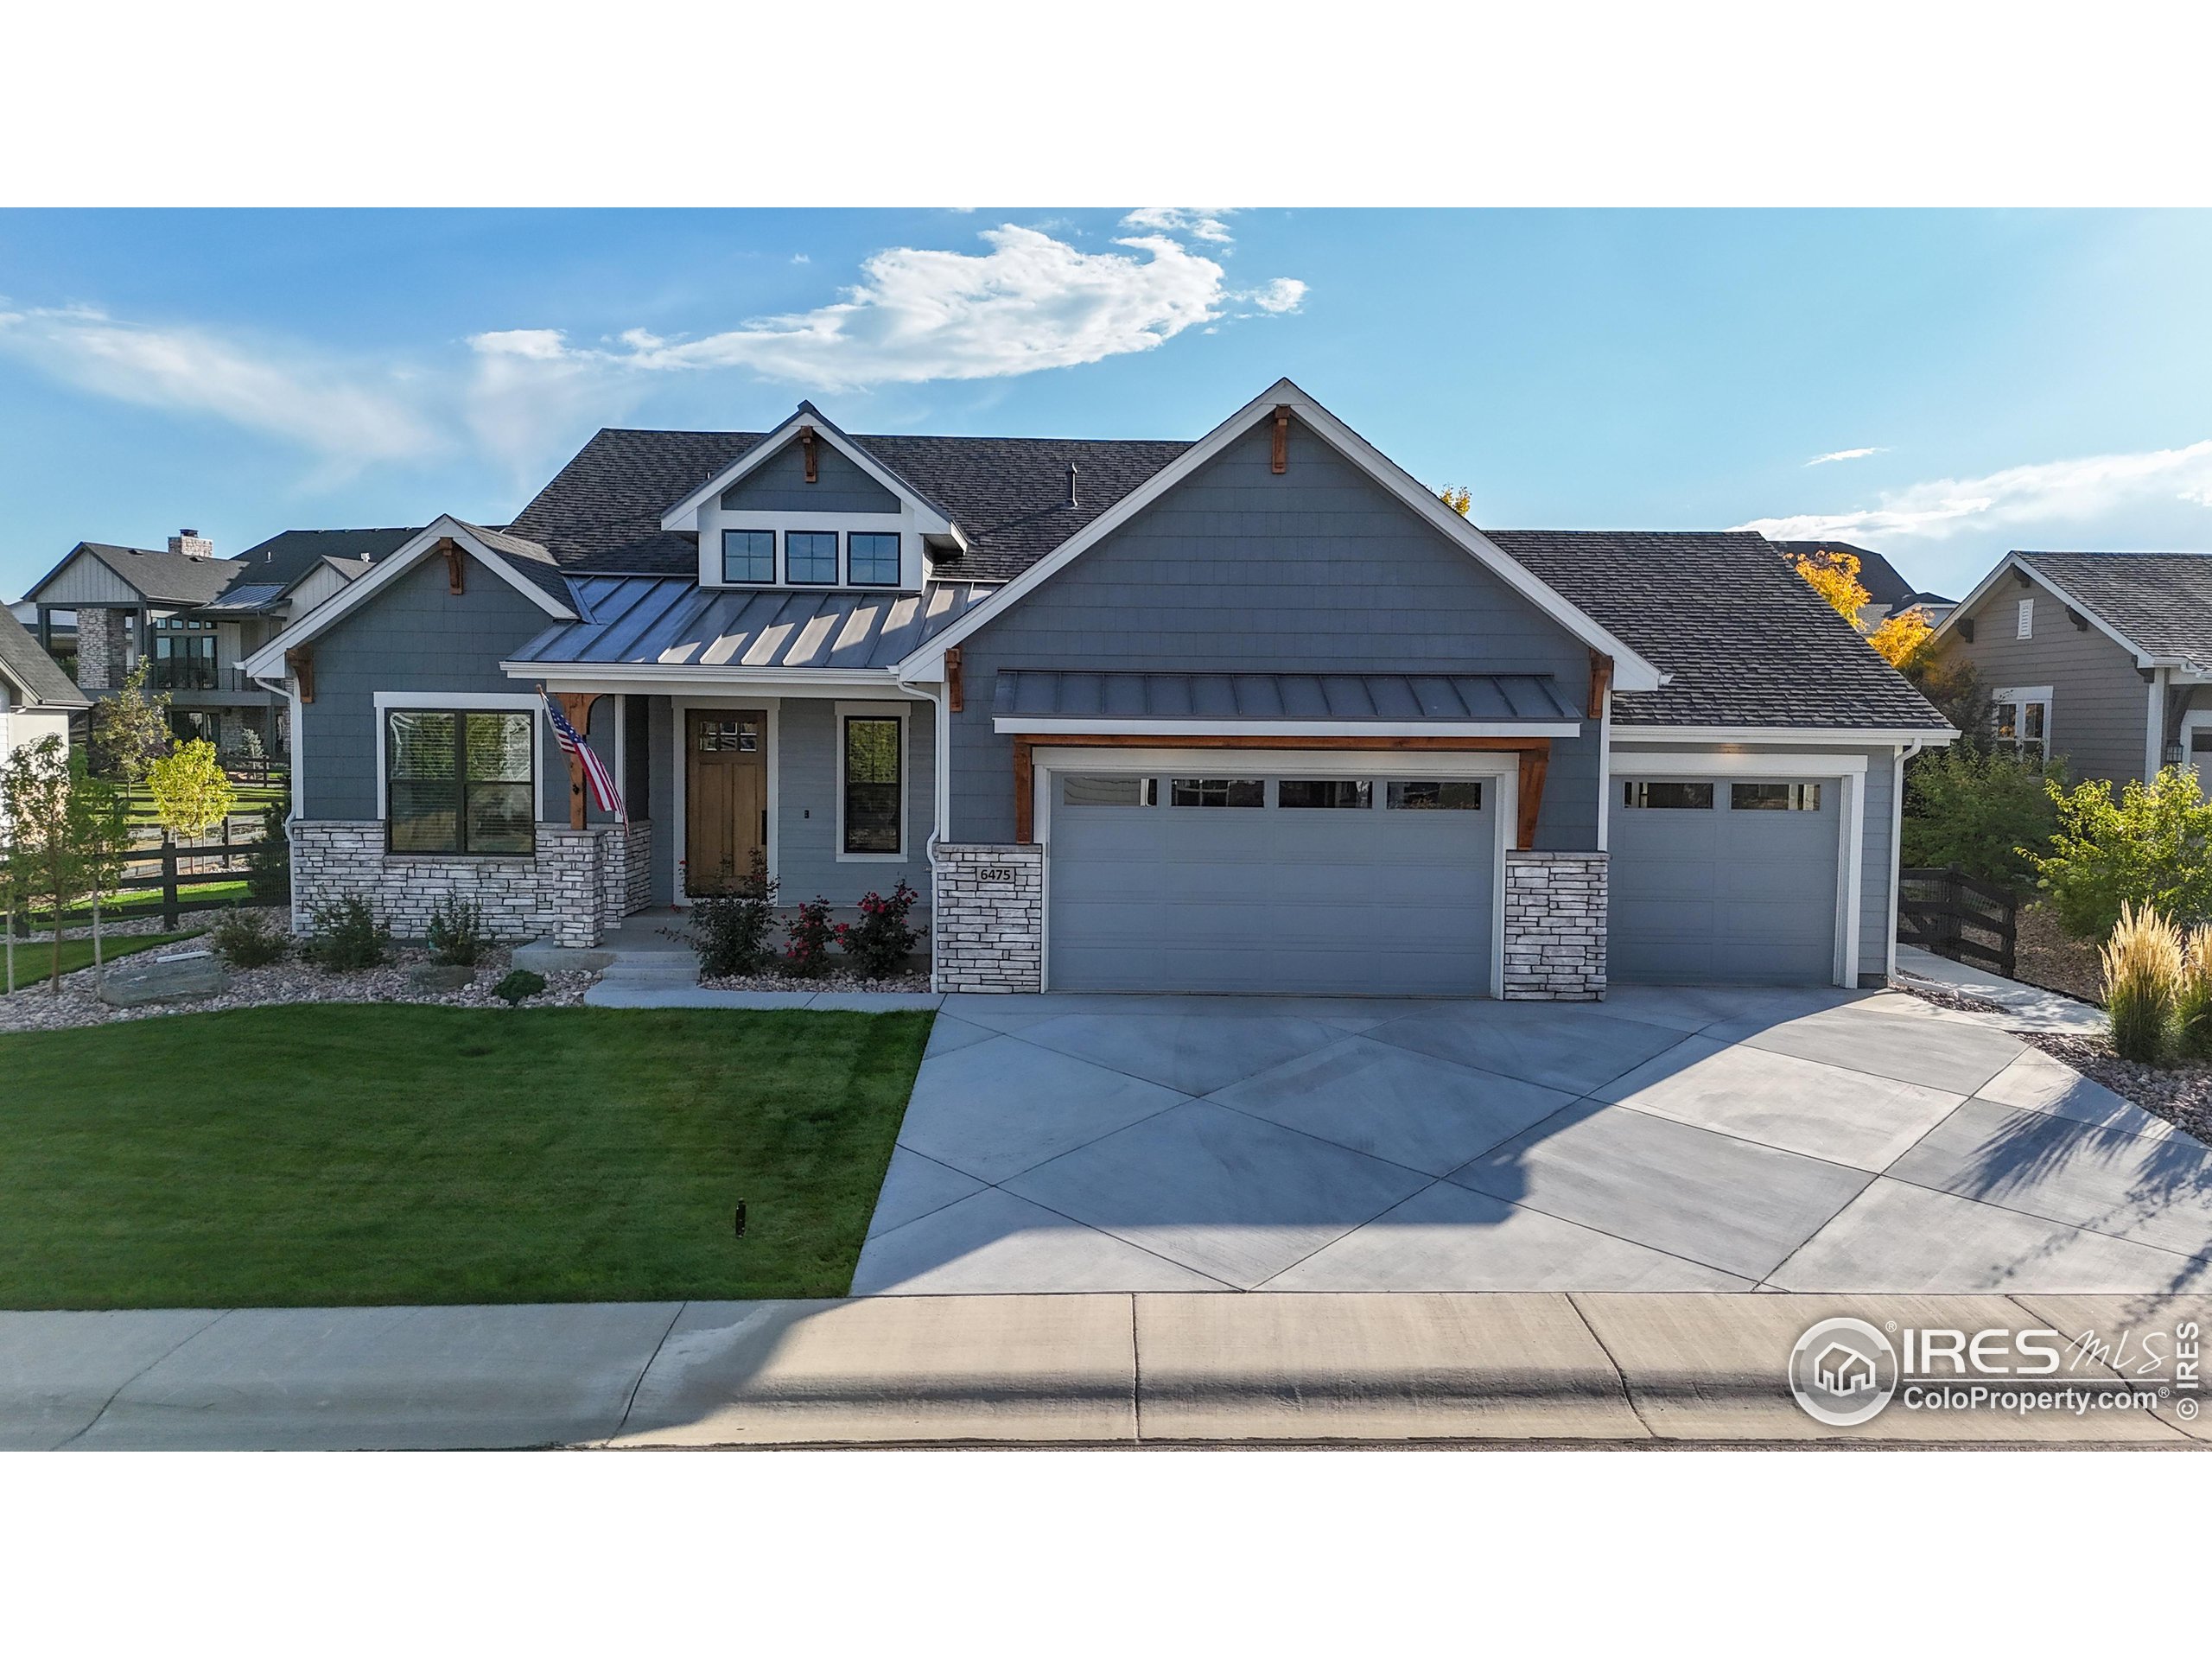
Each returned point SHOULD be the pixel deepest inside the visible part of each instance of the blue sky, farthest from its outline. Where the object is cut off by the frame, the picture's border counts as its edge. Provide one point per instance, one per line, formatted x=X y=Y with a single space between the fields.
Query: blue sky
x=1990 y=379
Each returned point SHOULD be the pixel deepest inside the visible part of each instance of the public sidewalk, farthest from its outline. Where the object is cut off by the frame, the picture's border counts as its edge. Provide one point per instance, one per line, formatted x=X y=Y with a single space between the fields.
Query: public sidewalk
x=1623 y=1370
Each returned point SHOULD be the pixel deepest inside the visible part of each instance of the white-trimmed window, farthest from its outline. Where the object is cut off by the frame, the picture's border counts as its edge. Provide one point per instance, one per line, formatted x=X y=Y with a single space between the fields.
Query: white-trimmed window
x=2021 y=716
x=460 y=781
x=871 y=558
x=871 y=782
x=749 y=556
x=2027 y=623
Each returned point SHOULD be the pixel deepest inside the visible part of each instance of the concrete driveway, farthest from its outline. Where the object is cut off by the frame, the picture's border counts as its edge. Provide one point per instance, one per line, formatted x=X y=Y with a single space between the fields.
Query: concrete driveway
x=1677 y=1140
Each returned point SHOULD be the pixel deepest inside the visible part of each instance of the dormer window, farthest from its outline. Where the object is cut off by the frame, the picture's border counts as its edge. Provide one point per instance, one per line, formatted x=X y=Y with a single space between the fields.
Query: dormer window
x=873 y=558
x=749 y=556
x=810 y=557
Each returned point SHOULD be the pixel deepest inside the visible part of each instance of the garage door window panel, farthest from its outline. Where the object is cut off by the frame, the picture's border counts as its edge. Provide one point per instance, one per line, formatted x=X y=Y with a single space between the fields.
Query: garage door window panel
x=1434 y=795
x=1324 y=793
x=1218 y=791
x=1774 y=798
x=1083 y=789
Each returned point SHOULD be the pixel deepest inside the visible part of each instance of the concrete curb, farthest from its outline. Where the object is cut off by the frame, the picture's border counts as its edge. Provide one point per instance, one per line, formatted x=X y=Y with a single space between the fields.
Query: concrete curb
x=1113 y=1370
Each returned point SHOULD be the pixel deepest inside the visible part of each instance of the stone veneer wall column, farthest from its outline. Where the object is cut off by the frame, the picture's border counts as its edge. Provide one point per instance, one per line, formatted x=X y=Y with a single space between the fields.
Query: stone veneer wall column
x=1555 y=926
x=988 y=919
x=562 y=893
x=103 y=637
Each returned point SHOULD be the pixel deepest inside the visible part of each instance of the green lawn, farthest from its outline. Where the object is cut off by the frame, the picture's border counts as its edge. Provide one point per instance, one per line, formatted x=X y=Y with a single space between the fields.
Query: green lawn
x=34 y=958
x=311 y=1155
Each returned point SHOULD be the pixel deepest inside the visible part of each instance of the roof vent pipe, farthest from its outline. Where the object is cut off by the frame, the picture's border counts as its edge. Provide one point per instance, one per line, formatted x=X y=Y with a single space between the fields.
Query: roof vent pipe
x=1072 y=471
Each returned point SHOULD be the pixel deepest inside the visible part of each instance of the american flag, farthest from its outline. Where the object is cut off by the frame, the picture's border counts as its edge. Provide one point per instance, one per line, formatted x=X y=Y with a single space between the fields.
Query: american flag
x=603 y=781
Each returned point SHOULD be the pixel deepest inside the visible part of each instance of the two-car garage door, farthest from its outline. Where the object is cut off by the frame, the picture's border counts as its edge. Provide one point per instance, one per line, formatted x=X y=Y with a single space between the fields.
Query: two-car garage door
x=1728 y=880
x=1205 y=879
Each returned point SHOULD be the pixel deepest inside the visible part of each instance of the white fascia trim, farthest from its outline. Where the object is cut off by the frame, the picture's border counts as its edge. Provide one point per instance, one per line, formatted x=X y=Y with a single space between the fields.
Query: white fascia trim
x=269 y=661
x=684 y=516
x=1872 y=736
x=902 y=712
x=1705 y=763
x=1632 y=672
x=2012 y=561
x=1041 y=726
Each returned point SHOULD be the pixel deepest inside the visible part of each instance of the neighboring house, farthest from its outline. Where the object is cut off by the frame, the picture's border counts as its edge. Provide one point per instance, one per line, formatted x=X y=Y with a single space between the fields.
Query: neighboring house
x=1887 y=593
x=194 y=617
x=2103 y=659
x=1257 y=713
x=36 y=698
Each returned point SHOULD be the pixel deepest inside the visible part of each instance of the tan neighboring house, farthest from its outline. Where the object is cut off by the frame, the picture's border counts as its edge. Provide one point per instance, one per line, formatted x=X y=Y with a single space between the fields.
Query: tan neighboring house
x=2104 y=659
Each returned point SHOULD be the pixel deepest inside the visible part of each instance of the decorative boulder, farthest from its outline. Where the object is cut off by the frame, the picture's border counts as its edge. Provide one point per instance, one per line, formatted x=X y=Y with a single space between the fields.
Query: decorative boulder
x=137 y=980
x=436 y=977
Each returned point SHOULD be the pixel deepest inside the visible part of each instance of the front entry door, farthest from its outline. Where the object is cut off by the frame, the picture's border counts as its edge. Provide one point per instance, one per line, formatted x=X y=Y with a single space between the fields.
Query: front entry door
x=725 y=797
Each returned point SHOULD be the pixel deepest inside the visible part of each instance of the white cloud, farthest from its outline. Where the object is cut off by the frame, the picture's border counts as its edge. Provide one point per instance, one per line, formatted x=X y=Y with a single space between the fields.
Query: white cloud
x=1204 y=223
x=348 y=415
x=2053 y=492
x=1030 y=302
x=1844 y=455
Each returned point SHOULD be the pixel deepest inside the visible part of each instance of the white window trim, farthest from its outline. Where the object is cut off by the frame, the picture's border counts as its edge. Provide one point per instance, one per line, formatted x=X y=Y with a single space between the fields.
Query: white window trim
x=680 y=762
x=1850 y=772
x=903 y=712
x=2021 y=695
x=1503 y=768
x=714 y=520
x=2024 y=623
x=452 y=703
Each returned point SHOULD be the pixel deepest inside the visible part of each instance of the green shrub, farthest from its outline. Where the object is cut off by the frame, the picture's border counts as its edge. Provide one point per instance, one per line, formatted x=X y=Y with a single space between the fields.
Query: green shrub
x=2193 y=997
x=268 y=865
x=249 y=939
x=2142 y=971
x=1986 y=811
x=881 y=941
x=730 y=931
x=807 y=955
x=2150 y=849
x=455 y=933
x=348 y=936
x=518 y=986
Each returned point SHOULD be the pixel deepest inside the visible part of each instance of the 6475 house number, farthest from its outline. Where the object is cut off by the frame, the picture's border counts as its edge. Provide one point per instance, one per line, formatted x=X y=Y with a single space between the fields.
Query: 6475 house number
x=995 y=875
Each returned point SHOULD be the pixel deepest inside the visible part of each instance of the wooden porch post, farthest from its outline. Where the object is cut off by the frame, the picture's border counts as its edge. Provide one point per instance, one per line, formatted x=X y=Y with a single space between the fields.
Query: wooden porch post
x=575 y=707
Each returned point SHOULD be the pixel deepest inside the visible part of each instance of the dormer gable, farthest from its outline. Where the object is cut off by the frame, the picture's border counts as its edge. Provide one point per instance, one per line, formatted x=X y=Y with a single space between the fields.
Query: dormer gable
x=808 y=508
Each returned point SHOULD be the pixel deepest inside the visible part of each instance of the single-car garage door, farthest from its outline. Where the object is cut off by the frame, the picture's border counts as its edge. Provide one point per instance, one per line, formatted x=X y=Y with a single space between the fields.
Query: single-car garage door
x=1216 y=882
x=1728 y=880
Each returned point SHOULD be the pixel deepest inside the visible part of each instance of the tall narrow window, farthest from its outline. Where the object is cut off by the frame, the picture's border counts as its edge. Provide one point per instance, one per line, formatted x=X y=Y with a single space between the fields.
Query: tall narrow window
x=749 y=556
x=810 y=556
x=872 y=773
x=874 y=557
x=459 y=782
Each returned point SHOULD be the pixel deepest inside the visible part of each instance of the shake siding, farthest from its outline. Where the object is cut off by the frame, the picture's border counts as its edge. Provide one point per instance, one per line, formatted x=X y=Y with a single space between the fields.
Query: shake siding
x=778 y=484
x=415 y=636
x=2100 y=714
x=1239 y=568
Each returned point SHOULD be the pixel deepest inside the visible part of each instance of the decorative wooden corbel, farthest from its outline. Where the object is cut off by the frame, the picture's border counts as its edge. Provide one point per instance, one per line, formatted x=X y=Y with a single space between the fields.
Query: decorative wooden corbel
x=456 y=563
x=1535 y=762
x=299 y=663
x=952 y=686
x=806 y=442
x=1601 y=680
x=1281 y=458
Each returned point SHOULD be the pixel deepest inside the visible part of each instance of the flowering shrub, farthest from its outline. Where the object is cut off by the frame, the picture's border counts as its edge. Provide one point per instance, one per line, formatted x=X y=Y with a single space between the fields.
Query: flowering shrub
x=880 y=942
x=807 y=957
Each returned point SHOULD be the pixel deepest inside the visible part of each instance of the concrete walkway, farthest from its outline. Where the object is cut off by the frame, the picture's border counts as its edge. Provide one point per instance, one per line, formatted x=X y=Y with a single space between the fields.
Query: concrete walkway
x=1666 y=1139
x=2021 y=1008
x=644 y=968
x=1627 y=1371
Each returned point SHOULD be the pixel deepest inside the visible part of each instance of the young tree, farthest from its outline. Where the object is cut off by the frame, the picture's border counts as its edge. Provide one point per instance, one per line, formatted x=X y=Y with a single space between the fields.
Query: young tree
x=130 y=730
x=98 y=834
x=1901 y=636
x=2151 y=848
x=1457 y=497
x=44 y=863
x=1834 y=577
x=191 y=793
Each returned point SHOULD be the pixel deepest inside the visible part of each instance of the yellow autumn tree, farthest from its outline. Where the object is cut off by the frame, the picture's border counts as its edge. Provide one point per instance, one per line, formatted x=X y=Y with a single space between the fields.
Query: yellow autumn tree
x=1457 y=497
x=1834 y=577
x=1901 y=636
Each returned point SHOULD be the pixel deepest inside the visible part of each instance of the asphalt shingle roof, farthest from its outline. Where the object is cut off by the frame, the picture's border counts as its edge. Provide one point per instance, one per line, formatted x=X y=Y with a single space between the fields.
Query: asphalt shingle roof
x=290 y=554
x=526 y=557
x=1747 y=640
x=602 y=511
x=25 y=662
x=2161 y=601
x=162 y=577
x=1877 y=574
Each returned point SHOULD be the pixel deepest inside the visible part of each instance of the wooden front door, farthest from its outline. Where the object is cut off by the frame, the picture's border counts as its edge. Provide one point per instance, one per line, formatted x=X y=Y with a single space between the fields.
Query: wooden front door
x=725 y=797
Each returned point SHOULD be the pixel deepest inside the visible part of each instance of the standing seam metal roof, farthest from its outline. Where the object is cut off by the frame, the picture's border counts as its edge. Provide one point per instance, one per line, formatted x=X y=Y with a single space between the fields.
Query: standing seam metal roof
x=1142 y=695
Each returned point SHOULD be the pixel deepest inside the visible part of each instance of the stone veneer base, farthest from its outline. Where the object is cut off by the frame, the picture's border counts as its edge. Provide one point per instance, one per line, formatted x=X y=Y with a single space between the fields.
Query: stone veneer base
x=988 y=919
x=1555 y=926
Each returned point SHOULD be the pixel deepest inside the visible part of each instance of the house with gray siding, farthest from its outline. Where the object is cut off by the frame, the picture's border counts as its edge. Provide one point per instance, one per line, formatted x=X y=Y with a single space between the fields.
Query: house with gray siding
x=2101 y=661
x=1255 y=713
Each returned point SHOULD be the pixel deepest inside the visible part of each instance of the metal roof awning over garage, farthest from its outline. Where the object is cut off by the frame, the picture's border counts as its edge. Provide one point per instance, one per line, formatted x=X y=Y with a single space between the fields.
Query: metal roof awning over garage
x=1065 y=700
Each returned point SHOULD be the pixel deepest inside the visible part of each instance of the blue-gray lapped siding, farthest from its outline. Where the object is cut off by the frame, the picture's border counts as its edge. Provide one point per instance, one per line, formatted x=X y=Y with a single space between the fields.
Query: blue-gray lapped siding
x=417 y=636
x=778 y=484
x=806 y=762
x=1239 y=568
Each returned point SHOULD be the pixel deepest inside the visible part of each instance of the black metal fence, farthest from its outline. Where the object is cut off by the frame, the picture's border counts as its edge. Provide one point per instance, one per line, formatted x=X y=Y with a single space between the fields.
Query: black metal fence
x=1943 y=910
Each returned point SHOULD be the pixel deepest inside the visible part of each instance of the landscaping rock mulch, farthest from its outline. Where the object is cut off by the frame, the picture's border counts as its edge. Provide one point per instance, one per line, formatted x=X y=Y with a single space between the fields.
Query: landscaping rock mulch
x=2182 y=1095
x=35 y=1008
x=829 y=982
x=2043 y=955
